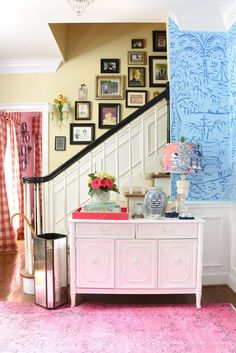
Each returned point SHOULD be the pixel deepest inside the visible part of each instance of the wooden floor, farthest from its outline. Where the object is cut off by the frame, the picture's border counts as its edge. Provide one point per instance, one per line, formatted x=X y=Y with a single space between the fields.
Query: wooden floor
x=11 y=288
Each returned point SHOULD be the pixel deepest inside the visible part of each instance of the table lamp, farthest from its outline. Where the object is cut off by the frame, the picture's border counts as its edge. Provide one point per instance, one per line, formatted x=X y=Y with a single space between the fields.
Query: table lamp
x=182 y=158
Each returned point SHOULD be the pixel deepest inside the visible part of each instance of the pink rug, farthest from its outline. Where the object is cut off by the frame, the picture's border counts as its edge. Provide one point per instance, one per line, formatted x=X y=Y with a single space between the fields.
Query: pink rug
x=97 y=328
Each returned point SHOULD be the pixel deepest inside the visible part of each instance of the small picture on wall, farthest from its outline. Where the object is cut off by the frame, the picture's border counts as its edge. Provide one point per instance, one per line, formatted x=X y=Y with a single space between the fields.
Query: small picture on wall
x=60 y=143
x=136 y=76
x=159 y=41
x=82 y=110
x=110 y=66
x=135 y=99
x=109 y=115
x=137 y=57
x=137 y=43
x=158 y=71
x=82 y=134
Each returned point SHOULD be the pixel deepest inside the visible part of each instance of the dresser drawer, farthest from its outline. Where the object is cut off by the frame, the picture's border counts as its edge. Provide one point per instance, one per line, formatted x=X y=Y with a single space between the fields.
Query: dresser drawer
x=103 y=230
x=167 y=230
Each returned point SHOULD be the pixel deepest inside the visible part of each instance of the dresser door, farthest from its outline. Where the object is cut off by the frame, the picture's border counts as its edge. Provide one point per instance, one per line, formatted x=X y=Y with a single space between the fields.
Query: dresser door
x=177 y=263
x=136 y=264
x=95 y=263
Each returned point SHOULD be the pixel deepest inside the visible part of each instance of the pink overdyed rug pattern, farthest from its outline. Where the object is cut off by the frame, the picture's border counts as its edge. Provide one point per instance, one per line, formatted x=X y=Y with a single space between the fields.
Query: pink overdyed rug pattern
x=98 y=328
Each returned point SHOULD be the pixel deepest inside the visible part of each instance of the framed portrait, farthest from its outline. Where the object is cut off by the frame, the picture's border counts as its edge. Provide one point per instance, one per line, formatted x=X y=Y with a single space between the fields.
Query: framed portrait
x=137 y=43
x=158 y=72
x=136 y=76
x=159 y=42
x=109 y=115
x=137 y=57
x=110 y=87
x=60 y=143
x=110 y=66
x=82 y=134
x=82 y=110
x=135 y=99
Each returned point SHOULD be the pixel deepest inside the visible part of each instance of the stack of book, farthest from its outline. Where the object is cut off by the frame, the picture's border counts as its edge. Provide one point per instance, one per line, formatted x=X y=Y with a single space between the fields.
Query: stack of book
x=109 y=210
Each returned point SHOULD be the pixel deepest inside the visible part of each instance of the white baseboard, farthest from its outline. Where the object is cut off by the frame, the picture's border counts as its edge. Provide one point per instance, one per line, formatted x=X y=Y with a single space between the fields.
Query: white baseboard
x=215 y=278
x=232 y=282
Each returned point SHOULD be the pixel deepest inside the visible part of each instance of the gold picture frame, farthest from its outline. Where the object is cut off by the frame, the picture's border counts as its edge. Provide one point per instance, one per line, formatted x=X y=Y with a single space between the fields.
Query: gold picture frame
x=137 y=57
x=109 y=87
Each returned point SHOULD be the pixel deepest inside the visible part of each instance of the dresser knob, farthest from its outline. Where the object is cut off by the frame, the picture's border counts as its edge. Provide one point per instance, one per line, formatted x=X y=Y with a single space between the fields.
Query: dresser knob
x=136 y=261
x=95 y=261
x=178 y=262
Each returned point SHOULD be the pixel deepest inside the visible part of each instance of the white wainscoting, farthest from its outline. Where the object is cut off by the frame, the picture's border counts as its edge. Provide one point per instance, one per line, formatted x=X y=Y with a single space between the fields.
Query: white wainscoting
x=219 y=241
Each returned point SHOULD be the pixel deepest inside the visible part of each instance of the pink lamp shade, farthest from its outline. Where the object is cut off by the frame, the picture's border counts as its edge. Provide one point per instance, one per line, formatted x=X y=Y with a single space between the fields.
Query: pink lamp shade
x=182 y=157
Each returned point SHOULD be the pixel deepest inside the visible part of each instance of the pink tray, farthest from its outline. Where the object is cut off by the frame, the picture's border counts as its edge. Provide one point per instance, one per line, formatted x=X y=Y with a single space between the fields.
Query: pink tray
x=100 y=215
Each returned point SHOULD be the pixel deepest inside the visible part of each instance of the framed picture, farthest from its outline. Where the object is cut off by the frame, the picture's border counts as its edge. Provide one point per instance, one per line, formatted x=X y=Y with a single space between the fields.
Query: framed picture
x=110 y=66
x=137 y=43
x=82 y=110
x=137 y=57
x=159 y=41
x=110 y=87
x=109 y=115
x=157 y=71
x=82 y=134
x=60 y=143
x=136 y=76
x=135 y=99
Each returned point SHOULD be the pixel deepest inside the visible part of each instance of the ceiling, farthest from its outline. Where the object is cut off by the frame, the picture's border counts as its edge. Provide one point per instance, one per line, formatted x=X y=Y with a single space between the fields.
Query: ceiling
x=27 y=43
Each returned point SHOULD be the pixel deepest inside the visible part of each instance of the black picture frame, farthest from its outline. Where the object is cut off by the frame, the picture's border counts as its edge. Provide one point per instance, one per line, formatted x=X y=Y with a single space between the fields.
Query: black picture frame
x=136 y=76
x=159 y=42
x=110 y=66
x=60 y=143
x=137 y=43
x=108 y=115
x=82 y=110
x=135 y=98
x=82 y=134
x=158 y=71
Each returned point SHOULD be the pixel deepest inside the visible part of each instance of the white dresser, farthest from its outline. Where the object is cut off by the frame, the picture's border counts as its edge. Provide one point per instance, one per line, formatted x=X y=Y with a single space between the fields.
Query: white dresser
x=136 y=257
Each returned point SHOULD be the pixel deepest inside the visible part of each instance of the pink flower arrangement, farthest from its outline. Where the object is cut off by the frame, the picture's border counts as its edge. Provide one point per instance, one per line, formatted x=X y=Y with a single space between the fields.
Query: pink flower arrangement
x=101 y=181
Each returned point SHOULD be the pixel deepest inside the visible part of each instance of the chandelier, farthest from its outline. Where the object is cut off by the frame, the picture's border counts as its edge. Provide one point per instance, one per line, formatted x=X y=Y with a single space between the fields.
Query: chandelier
x=79 y=6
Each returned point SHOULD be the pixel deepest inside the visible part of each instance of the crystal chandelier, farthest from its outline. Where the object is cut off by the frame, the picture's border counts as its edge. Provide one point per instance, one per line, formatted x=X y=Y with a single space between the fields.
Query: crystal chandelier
x=79 y=6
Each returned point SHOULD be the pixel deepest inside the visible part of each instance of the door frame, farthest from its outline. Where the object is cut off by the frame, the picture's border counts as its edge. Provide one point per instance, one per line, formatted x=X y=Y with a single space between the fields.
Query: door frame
x=34 y=108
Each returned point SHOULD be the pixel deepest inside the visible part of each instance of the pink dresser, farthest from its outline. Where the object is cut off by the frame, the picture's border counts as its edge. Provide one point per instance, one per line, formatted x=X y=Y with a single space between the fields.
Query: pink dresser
x=136 y=257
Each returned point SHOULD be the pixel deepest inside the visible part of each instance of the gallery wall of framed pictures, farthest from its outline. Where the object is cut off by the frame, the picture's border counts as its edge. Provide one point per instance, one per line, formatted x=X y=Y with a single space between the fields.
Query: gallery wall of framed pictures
x=139 y=78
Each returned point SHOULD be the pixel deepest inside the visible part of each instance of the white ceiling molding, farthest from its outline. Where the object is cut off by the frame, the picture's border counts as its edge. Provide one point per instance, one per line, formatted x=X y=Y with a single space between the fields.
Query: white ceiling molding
x=29 y=65
x=228 y=10
x=198 y=21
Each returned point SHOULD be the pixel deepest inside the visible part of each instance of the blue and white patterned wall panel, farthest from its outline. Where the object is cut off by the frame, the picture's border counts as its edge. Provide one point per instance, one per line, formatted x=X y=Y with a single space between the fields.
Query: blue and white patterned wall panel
x=231 y=36
x=199 y=96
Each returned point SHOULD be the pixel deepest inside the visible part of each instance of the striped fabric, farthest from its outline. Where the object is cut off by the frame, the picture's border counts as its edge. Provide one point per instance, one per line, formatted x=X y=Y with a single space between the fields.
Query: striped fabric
x=7 y=234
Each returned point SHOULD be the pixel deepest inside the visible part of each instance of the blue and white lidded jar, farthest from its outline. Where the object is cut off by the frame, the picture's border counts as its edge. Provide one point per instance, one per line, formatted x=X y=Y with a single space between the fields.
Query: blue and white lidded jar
x=155 y=203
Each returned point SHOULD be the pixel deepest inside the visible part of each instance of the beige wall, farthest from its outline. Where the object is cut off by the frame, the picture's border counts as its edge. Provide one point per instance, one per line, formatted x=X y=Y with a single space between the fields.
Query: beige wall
x=85 y=45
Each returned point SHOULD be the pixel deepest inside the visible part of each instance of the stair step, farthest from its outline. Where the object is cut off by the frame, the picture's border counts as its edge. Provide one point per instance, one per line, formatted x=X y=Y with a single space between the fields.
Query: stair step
x=160 y=175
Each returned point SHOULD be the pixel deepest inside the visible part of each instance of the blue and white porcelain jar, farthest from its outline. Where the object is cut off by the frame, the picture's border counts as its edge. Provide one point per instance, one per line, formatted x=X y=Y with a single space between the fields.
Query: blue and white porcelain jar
x=155 y=202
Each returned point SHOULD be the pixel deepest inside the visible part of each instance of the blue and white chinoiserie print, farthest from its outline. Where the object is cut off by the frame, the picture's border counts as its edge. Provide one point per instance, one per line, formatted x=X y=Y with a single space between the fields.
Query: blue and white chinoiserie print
x=203 y=106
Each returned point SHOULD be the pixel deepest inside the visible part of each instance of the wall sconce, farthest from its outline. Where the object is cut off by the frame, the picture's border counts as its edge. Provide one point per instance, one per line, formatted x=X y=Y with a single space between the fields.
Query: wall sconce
x=60 y=108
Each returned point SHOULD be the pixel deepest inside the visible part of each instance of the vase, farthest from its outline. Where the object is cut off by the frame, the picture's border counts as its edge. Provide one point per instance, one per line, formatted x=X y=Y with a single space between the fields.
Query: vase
x=101 y=196
x=155 y=202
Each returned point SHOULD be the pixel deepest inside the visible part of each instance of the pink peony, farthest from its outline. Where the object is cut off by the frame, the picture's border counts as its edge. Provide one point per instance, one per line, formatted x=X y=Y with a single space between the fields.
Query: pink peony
x=96 y=183
x=109 y=183
x=103 y=182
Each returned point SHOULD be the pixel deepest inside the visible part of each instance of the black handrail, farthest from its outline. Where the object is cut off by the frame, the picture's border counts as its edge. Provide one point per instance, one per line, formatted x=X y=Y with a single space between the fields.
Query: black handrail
x=99 y=140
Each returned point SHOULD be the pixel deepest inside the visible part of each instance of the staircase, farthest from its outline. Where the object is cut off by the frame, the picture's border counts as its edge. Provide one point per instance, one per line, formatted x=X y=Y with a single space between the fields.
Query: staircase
x=131 y=151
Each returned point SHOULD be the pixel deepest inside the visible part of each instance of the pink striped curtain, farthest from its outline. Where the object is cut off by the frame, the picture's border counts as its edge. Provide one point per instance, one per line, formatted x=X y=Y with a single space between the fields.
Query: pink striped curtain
x=9 y=123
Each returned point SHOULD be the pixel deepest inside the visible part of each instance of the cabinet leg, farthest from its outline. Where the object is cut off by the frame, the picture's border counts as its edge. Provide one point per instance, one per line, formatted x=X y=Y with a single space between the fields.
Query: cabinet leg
x=72 y=299
x=198 y=300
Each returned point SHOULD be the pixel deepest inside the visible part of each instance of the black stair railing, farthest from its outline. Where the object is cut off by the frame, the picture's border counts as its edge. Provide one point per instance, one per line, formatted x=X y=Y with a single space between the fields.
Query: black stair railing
x=101 y=139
